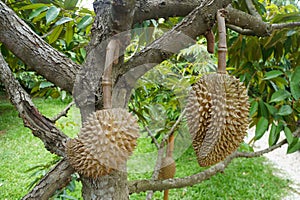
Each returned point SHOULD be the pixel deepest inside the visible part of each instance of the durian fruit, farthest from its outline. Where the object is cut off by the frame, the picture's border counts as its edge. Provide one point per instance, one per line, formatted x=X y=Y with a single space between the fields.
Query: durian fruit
x=168 y=168
x=106 y=140
x=217 y=116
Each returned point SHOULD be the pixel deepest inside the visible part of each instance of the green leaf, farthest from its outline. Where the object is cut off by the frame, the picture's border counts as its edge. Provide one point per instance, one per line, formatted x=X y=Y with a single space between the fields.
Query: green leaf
x=295 y=83
x=295 y=146
x=261 y=127
x=279 y=95
x=46 y=84
x=272 y=74
x=69 y=33
x=84 y=22
x=37 y=12
x=274 y=135
x=253 y=108
x=83 y=52
x=62 y=21
x=55 y=34
x=271 y=109
x=70 y=4
x=289 y=135
x=285 y=110
x=34 y=6
x=52 y=13
x=263 y=110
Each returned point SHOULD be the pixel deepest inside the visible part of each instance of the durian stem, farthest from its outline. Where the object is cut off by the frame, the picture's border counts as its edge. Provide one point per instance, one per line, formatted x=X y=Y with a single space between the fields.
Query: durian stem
x=169 y=153
x=166 y=194
x=222 y=47
x=112 y=54
x=170 y=147
x=210 y=39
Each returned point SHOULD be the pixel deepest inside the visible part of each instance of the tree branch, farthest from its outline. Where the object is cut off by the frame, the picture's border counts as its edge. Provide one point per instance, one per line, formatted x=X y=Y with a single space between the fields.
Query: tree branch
x=201 y=19
x=252 y=10
x=240 y=30
x=245 y=21
x=40 y=125
x=158 y=185
x=286 y=25
x=17 y=36
x=56 y=179
x=62 y=113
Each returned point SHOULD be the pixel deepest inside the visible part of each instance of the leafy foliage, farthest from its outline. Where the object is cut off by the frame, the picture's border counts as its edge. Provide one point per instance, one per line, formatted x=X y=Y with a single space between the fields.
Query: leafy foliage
x=60 y=23
x=270 y=67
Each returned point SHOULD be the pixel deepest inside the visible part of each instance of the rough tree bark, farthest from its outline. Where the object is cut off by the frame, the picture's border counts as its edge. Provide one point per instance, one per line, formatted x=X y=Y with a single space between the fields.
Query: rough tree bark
x=112 y=17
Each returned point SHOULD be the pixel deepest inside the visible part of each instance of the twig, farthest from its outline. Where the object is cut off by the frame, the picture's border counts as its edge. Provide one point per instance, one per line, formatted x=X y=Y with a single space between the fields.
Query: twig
x=62 y=113
x=252 y=10
x=241 y=30
x=160 y=152
x=158 y=185
x=165 y=139
x=285 y=25
x=259 y=153
x=152 y=137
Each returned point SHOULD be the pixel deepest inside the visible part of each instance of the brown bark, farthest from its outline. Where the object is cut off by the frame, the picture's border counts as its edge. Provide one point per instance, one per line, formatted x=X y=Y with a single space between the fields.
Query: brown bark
x=158 y=185
x=40 y=125
x=56 y=179
x=17 y=36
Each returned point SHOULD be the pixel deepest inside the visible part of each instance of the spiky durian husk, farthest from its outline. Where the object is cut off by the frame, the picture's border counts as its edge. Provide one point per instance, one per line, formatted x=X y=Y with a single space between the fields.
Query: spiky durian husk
x=217 y=115
x=168 y=168
x=105 y=142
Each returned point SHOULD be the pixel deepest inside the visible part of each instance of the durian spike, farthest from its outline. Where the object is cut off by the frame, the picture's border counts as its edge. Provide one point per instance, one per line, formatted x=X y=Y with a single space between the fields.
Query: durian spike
x=222 y=47
x=112 y=53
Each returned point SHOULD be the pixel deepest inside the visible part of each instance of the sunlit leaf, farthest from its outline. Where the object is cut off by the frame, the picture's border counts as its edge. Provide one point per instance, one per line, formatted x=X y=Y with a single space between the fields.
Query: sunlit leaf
x=261 y=127
x=272 y=74
x=69 y=32
x=62 y=21
x=52 y=13
x=34 y=6
x=55 y=34
x=85 y=21
x=279 y=95
x=37 y=12
x=45 y=84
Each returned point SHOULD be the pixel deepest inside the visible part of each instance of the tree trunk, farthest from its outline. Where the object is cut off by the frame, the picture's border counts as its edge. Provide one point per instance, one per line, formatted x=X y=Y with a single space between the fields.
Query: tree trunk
x=112 y=17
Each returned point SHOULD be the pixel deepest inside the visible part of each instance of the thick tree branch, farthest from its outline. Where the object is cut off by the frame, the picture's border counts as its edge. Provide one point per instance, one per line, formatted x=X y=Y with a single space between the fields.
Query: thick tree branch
x=245 y=21
x=40 y=125
x=56 y=179
x=158 y=185
x=153 y=9
x=252 y=10
x=17 y=36
x=181 y=36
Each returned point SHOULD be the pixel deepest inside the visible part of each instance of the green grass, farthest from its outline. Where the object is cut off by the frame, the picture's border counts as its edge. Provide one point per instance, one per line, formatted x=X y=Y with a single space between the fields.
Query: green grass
x=20 y=150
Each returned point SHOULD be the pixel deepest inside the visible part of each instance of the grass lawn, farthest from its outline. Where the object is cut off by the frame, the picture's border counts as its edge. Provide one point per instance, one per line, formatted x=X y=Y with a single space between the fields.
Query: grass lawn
x=20 y=150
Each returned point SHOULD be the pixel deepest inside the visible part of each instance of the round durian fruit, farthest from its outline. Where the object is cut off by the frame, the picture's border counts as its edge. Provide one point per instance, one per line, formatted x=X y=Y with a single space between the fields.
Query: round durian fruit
x=217 y=116
x=168 y=168
x=106 y=140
